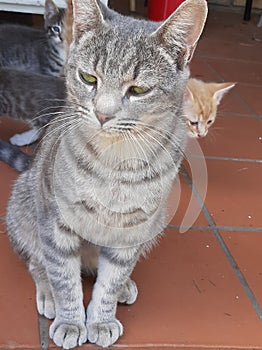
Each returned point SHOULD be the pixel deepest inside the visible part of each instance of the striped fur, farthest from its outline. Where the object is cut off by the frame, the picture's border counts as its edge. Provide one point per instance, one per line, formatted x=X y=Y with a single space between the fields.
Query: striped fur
x=95 y=198
x=32 y=97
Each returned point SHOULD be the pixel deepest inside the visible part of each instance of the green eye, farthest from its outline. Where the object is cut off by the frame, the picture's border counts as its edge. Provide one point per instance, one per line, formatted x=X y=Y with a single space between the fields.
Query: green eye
x=136 y=90
x=88 y=78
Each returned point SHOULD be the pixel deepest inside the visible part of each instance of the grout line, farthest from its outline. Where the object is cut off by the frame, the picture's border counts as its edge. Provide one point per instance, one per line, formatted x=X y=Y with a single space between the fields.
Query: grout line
x=233 y=60
x=226 y=59
x=226 y=114
x=224 y=247
x=200 y=228
x=246 y=160
x=43 y=332
x=220 y=228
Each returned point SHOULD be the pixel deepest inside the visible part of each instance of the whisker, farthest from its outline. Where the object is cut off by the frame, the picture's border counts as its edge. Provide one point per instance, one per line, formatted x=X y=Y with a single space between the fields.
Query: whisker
x=166 y=135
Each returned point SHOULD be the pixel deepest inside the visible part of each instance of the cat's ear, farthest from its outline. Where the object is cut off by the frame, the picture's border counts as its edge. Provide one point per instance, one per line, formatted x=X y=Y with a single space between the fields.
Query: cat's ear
x=50 y=10
x=221 y=89
x=181 y=31
x=86 y=16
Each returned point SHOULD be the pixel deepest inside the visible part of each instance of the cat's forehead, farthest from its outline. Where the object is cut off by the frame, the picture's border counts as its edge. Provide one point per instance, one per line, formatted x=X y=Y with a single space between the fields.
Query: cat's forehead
x=119 y=53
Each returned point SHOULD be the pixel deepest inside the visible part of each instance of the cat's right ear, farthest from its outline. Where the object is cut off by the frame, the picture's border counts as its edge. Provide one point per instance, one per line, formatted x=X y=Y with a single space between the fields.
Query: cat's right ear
x=86 y=16
x=180 y=33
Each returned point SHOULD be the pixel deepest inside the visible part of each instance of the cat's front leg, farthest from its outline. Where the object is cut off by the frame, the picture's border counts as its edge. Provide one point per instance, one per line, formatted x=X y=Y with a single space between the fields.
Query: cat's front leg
x=112 y=284
x=63 y=268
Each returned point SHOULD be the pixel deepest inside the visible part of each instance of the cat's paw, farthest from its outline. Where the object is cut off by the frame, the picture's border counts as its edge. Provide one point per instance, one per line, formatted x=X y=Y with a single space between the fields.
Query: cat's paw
x=45 y=305
x=129 y=293
x=68 y=335
x=104 y=333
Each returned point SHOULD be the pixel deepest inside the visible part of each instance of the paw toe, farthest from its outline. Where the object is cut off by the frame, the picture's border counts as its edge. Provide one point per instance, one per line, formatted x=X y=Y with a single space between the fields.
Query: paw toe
x=104 y=333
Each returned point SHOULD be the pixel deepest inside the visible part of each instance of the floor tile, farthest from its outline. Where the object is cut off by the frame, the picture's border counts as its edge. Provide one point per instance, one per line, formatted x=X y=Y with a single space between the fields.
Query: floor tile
x=234 y=137
x=222 y=49
x=234 y=193
x=234 y=38
x=252 y=96
x=188 y=296
x=245 y=248
x=200 y=70
x=236 y=71
x=9 y=127
x=234 y=103
x=17 y=301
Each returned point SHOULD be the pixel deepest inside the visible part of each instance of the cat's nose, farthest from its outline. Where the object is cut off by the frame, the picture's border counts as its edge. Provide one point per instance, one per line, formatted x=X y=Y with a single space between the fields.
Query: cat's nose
x=103 y=118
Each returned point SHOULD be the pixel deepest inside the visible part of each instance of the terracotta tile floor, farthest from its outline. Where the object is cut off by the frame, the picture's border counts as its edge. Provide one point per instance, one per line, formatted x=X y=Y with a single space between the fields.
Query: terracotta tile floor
x=201 y=288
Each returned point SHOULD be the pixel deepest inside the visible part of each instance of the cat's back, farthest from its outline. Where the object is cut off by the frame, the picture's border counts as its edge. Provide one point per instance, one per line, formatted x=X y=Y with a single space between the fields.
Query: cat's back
x=11 y=34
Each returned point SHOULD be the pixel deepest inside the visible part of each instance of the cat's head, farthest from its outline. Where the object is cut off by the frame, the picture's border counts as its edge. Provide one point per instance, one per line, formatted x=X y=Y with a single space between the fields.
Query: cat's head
x=54 y=21
x=200 y=106
x=123 y=72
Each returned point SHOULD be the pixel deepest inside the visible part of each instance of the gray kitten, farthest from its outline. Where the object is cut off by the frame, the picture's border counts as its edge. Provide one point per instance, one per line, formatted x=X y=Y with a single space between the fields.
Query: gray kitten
x=32 y=97
x=35 y=50
x=95 y=198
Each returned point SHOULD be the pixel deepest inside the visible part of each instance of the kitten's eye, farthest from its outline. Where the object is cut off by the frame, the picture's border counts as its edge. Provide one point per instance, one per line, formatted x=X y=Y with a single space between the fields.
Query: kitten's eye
x=56 y=29
x=194 y=123
x=210 y=121
x=88 y=78
x=137 y=90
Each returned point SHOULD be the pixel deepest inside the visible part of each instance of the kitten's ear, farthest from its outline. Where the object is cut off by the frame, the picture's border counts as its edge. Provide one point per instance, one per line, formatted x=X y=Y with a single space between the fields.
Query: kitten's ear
x=181 y=31
x=221 y=89
x=50 y=10
x=189 y=94
x=86 y=16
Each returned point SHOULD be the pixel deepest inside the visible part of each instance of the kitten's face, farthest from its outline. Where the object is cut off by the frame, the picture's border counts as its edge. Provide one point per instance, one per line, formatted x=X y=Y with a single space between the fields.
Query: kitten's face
x=199 y=120
x=54 y=21
x=201 y=103
x=129 y=76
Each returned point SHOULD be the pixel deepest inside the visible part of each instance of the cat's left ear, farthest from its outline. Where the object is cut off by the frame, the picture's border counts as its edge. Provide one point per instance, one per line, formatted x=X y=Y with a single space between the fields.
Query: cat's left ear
x=181 y=31
x=221 y=89
x=50 y=10
x=86 y=16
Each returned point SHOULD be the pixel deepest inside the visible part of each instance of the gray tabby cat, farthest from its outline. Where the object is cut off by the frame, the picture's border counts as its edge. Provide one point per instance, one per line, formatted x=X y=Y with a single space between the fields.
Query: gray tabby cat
x=95 y=198
x=32 y=97
x=35 y=50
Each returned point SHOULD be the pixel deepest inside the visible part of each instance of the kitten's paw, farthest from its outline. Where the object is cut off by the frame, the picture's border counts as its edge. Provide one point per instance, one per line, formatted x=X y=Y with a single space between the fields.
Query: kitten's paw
x=129 y=293
x=104 y=333
x=68 y=335
x=19 y=140
x=45 y=305
x=25 y=138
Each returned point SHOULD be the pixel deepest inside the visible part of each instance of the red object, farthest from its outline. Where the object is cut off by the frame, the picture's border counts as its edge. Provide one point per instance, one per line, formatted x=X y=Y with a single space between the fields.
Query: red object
x=158 y=10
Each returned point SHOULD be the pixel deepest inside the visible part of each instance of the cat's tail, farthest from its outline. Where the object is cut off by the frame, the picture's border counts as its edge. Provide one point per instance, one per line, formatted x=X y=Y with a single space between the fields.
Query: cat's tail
x=14 y=157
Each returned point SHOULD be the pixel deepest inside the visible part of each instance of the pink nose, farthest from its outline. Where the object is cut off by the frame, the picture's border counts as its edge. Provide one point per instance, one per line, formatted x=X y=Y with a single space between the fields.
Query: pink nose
x=103 y=118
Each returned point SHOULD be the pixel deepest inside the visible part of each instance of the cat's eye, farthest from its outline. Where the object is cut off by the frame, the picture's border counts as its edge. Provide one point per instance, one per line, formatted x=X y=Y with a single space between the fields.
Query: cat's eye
x=88 y=78
x=137 y=90
x=56 y=29
x=210 y=121
x=194 y=123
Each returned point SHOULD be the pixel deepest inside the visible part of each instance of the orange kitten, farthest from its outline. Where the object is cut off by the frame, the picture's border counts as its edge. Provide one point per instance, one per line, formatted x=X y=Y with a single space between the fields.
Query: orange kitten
x=201 y=102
